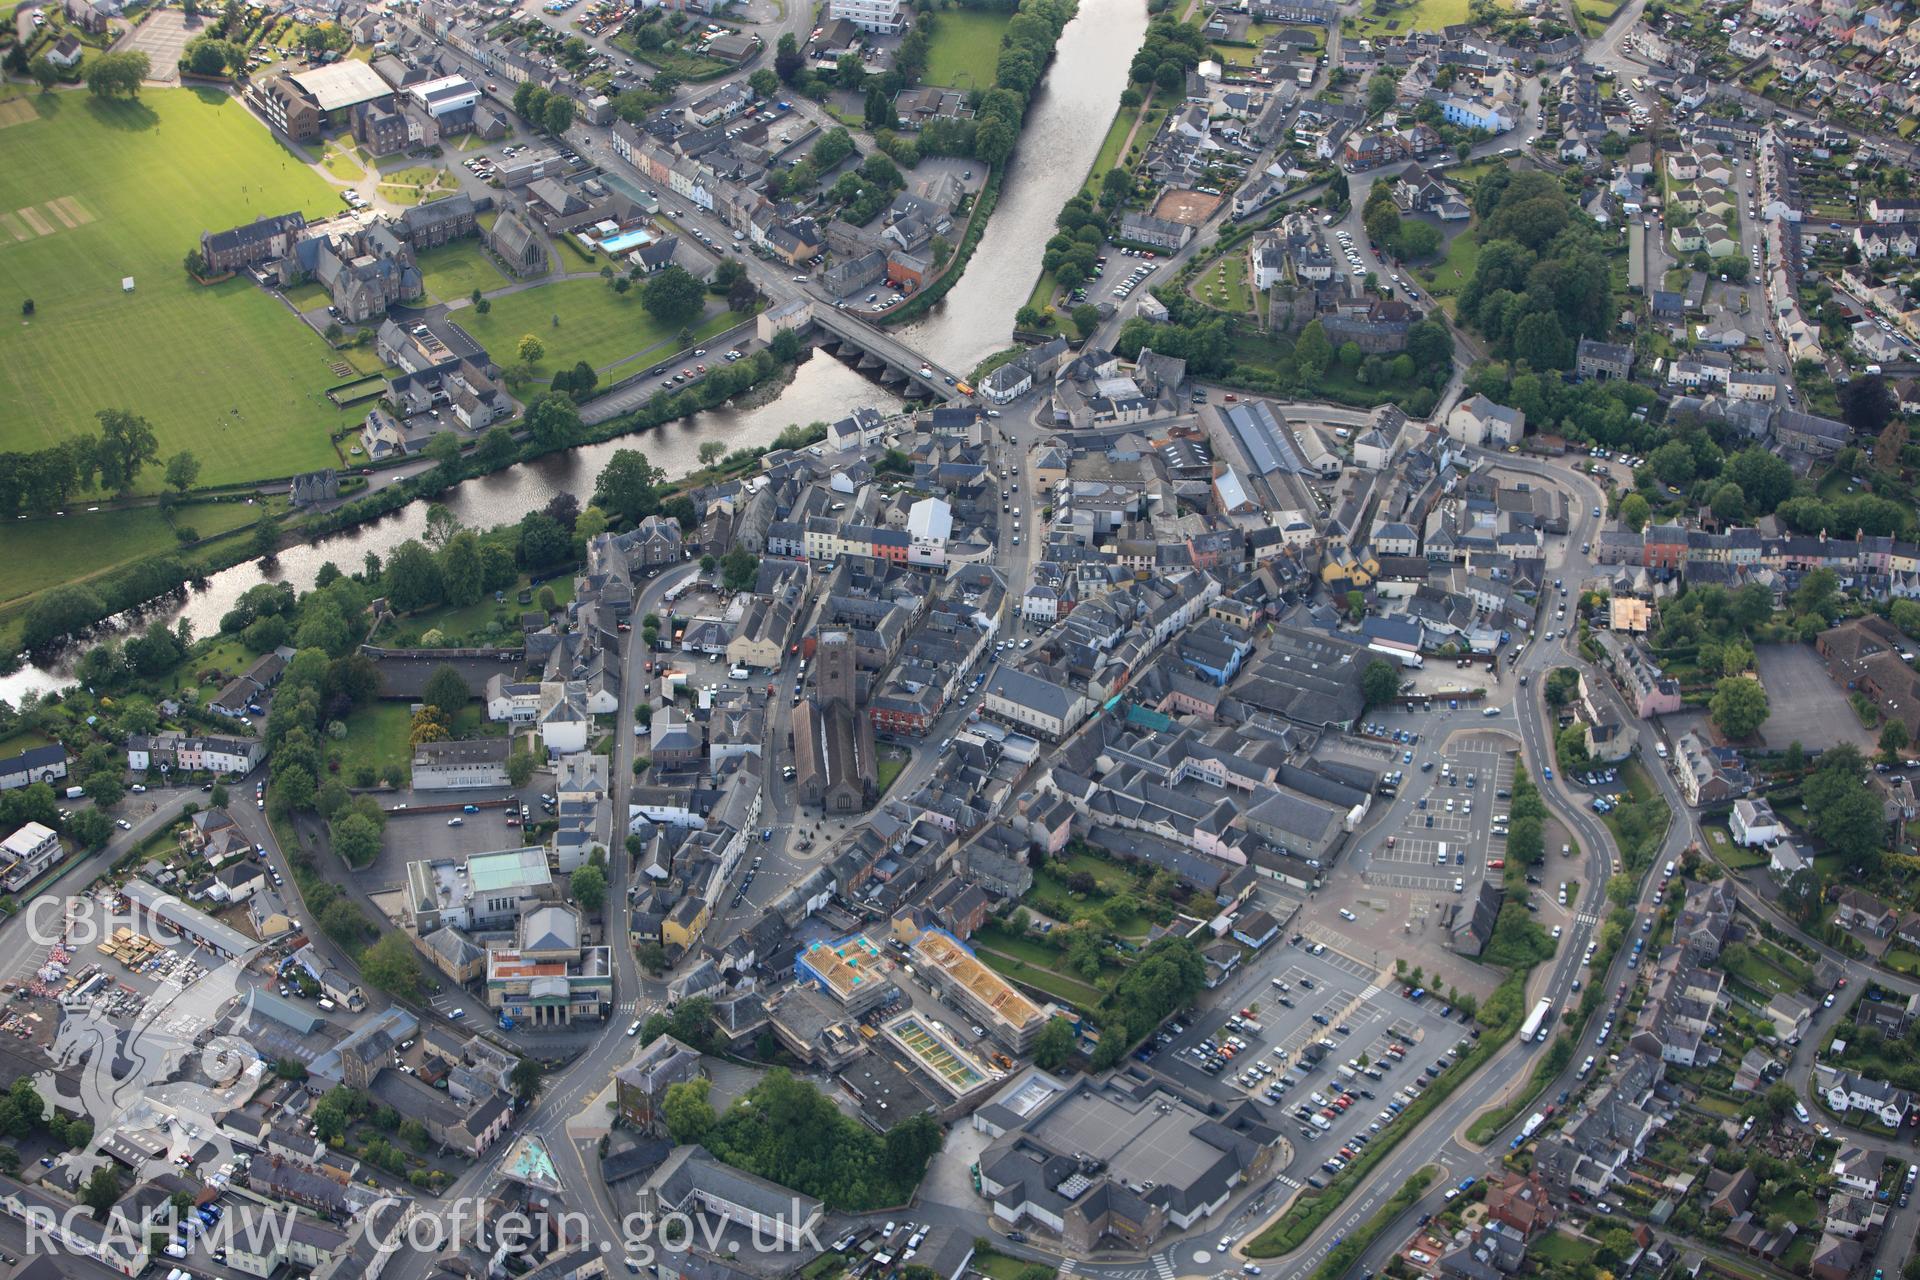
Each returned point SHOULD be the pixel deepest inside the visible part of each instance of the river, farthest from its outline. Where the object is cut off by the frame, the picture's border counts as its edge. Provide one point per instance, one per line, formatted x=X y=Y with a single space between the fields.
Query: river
x=1065 y=125
x=822 y=390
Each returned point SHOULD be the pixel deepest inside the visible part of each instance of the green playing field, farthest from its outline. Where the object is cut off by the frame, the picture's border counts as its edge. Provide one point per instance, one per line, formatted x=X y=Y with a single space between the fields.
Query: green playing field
x=93 y=193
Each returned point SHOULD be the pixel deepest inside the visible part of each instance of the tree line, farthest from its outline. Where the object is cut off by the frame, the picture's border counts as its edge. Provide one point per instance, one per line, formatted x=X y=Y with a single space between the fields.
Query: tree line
x=111 y=461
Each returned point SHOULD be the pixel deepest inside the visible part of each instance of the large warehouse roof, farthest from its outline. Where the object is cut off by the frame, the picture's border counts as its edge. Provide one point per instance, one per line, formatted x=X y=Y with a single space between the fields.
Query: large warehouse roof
x=343 y=84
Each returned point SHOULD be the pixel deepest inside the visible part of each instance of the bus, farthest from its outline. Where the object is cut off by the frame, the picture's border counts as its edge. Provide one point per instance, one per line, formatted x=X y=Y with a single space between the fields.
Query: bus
x=1537 y=1025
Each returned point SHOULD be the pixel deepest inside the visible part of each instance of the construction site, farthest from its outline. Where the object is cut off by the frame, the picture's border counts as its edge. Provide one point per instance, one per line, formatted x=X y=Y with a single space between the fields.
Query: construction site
x=961 y=979
x=941 y=1056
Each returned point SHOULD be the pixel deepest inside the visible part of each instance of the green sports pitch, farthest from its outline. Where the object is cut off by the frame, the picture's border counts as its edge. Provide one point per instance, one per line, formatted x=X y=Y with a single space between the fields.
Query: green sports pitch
x=93 y=193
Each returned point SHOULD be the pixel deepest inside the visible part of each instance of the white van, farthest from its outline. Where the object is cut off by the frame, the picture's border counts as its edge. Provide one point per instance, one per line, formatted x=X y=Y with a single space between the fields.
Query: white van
x=327 y=1005
x=738 y=673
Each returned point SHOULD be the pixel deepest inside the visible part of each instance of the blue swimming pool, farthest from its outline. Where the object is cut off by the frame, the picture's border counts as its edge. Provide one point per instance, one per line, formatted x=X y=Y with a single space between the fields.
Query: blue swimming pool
x=627 y=240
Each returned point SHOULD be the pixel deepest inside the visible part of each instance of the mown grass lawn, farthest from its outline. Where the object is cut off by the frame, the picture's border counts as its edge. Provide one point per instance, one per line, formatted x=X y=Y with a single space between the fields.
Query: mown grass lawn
x=470 y=621
x=1384 y=17
x=456 y=270
x=595 y=324
x=377 y=735
x=98 y=191
x=1109 y=153
x=965 y=49
x=45 y=552
x=416 y=184
x=1451 y=273
x=343 y=160
x=1223 y=285
x=1556 y=1246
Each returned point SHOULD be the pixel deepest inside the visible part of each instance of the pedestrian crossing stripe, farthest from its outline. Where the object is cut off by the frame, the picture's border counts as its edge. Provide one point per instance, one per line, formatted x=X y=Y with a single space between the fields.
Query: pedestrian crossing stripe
x=1372 y=990
x=1162 y=1266
x=1288 y=1179
x=1066 y=1268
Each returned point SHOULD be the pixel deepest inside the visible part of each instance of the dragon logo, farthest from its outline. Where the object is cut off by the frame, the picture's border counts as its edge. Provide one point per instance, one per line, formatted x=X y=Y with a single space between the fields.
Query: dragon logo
x=135 y=1085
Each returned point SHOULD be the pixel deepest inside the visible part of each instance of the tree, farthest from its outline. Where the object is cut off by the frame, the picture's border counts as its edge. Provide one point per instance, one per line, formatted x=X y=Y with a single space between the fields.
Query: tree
x=127 y=443
x=1054 y=1044
x=1893 y=739
x=565 y=510
x=739 y=568
x=553 y=421
x=712 y=451
x=583 y=381
x=590 y=888
x=1381 y=91
x=460 y=569
x=392 y=965
x=412 y=577
x=1843 y=812
x=266 y=537
x=44 y=72
x=105 y=788
x=1419 y=240
x=520 y=766
x=527 y=1078
x=685 y=1108
x=103 y=1188
x=182 y=470
x=1542 y=342
x=1635 y=511
x=764 y=82
x=447 y=690
x=1379 y=683
x=90 y=828
x=1817 y=593
x=1312 y=352
x=1866 y=403
x=1086 y=318
x=673 y=297
x=787 y=59
x=531 y=349
x=111 y=75
x=993 y=140
x=627 y=486
x=1764 y=477
x=1729 y=504
x=1738 y=707
x=356 y=839
x=542 y=542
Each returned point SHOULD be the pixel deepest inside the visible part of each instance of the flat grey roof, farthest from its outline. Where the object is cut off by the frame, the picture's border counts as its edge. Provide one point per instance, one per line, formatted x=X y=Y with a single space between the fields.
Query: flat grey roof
x=1140 y=1144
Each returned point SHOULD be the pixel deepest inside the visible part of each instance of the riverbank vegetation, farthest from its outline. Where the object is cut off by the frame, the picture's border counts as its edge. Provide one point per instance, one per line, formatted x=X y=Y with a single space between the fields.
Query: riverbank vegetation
x=551 y=424
x=1026 y=45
